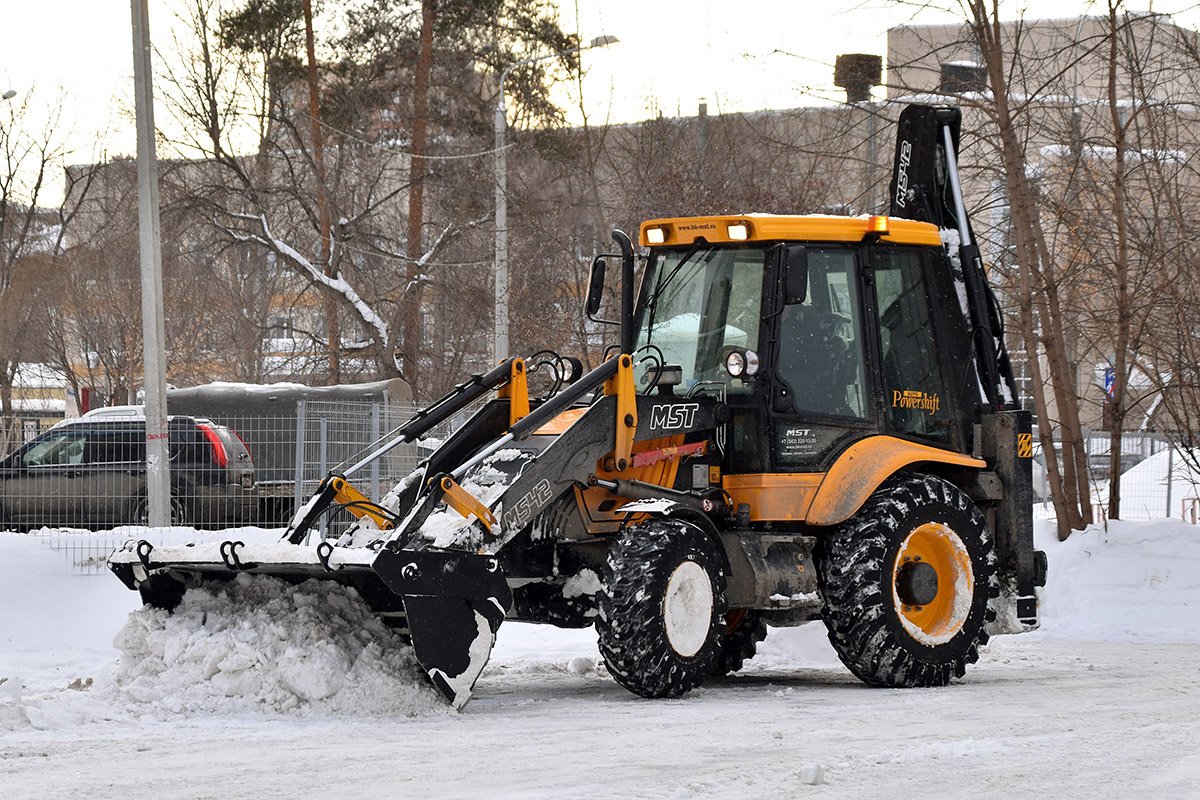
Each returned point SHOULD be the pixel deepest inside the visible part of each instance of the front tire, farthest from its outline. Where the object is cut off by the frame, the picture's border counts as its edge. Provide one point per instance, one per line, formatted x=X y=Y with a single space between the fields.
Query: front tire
x=907 y=584
x=662 y=608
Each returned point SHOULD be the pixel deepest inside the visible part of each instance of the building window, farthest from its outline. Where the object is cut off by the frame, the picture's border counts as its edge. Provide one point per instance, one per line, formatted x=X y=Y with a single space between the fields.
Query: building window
x=281 y=327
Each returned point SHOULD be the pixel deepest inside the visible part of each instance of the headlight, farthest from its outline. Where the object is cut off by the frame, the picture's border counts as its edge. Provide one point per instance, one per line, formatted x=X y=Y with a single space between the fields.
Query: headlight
x=735 y=363
x=751 y=362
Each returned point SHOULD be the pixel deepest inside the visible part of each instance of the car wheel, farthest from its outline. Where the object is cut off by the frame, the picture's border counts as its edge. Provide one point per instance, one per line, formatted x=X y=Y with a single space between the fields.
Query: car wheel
x=908 y=583
x=141 y=512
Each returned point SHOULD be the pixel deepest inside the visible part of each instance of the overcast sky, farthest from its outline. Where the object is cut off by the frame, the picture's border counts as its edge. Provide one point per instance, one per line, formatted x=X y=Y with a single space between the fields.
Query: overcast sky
x=737 y=56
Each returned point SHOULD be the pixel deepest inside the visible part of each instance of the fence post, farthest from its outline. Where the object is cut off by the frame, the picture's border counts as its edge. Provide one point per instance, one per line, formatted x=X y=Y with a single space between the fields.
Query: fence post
x=301 y=425
x=1170 y=472
x=374 y=437
x=323 y=459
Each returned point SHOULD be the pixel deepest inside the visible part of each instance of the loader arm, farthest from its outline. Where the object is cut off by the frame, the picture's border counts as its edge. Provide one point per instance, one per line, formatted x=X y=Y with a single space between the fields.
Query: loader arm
x=449 y=597
x=510 y=381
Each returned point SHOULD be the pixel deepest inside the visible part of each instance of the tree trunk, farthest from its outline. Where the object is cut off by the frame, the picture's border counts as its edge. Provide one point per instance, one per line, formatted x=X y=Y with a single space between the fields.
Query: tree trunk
x=318 y=145
x=1121 y=265
x=416 y=200
x=1040 y=309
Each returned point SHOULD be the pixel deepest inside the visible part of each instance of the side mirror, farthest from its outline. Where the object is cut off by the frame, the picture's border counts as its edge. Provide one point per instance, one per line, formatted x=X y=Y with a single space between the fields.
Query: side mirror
x=795 y=280
x=595 y=292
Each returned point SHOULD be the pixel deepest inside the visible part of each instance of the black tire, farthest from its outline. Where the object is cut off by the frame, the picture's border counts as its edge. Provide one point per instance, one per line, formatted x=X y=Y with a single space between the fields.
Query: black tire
x=743 y=631
x=662 y=608
x=893 y=621
x=140 y=514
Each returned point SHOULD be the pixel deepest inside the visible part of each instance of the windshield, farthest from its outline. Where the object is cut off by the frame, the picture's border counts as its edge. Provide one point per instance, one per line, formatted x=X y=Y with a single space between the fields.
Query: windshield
x=702 y=301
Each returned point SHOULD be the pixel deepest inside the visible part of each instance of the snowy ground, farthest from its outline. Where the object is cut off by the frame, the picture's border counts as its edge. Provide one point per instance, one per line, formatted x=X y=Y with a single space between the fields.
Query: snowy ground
x=1104 y=700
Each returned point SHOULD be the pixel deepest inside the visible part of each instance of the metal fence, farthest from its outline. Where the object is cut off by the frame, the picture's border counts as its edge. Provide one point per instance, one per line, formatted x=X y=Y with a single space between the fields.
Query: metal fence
x=80 y=484
x=84 y=552
x=84 y=501
x=1156 y=480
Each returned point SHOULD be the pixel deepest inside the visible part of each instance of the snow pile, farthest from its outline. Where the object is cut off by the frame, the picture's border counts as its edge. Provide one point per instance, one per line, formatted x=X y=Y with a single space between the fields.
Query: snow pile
x=265 y=648
x=259 y=644
x=1134 y=581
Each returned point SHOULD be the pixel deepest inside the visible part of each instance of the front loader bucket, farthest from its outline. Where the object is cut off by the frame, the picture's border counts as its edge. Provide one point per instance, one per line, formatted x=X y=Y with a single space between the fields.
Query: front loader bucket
x=455 y=603
x=452 y=601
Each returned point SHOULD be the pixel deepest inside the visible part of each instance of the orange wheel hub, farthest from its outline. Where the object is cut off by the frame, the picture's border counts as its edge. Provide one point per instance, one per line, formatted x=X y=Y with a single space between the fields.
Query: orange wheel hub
x=933 y=583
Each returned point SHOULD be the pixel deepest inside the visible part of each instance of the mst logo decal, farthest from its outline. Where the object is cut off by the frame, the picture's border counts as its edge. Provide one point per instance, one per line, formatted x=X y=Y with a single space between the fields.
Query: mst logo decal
x=676 y=415
x=524 y=509
x=902 y=173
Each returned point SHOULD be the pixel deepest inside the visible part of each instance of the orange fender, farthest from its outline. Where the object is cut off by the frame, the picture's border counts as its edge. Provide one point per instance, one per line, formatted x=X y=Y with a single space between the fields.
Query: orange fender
x=865 y=465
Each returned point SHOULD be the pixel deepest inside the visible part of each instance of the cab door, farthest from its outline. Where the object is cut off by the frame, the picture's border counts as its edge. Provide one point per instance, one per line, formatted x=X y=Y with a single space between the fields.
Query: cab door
x=820 y=394
x=926 y=369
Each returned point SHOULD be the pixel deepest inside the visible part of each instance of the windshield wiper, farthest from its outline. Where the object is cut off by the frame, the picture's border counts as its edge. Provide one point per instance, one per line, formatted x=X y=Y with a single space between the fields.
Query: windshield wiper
x=652 y=302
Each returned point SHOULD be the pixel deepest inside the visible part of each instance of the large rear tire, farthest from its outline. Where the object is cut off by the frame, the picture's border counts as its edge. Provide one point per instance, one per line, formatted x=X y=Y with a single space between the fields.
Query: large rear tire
x=662 y=608
x=908 y=583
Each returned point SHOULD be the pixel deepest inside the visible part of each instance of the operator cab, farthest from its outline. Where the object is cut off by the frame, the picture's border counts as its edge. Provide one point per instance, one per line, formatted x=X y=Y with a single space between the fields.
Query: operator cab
x=815 y=331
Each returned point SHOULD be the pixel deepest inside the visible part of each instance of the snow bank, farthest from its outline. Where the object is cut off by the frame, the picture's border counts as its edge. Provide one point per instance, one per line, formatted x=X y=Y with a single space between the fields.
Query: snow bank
x=45 y=605
x=1162 y=485
x=1135 y=581
x=264 y=648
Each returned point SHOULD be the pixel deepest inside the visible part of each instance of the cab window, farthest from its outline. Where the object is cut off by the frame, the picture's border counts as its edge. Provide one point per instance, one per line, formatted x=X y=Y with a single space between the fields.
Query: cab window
x=914 y=390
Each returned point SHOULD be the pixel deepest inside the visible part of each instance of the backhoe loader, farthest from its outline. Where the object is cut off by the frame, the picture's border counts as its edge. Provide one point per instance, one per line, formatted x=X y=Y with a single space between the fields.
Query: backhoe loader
x=806 y=418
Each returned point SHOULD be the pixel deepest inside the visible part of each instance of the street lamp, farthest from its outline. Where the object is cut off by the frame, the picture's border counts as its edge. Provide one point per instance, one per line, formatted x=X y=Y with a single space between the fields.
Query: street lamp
x=500 y=335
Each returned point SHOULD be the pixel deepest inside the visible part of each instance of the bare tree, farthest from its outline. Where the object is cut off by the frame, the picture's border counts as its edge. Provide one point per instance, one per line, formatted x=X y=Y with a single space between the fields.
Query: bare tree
x=32 y=233
x=387 y=174
x=1091 y=140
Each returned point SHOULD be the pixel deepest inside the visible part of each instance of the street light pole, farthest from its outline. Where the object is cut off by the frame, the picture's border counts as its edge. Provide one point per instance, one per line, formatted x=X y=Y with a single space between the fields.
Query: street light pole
x=500 y=333
x=158 y=481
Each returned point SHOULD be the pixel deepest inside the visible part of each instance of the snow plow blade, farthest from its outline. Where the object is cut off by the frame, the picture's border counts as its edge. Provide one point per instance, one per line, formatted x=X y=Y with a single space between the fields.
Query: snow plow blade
x=451 y=601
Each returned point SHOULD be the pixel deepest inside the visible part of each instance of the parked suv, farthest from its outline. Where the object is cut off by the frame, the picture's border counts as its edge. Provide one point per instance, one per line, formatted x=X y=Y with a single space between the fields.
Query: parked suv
x=91 y=472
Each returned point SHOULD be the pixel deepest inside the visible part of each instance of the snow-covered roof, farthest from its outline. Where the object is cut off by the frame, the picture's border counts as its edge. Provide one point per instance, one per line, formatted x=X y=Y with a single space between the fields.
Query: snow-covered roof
x=38 y=405
x=39 y=376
